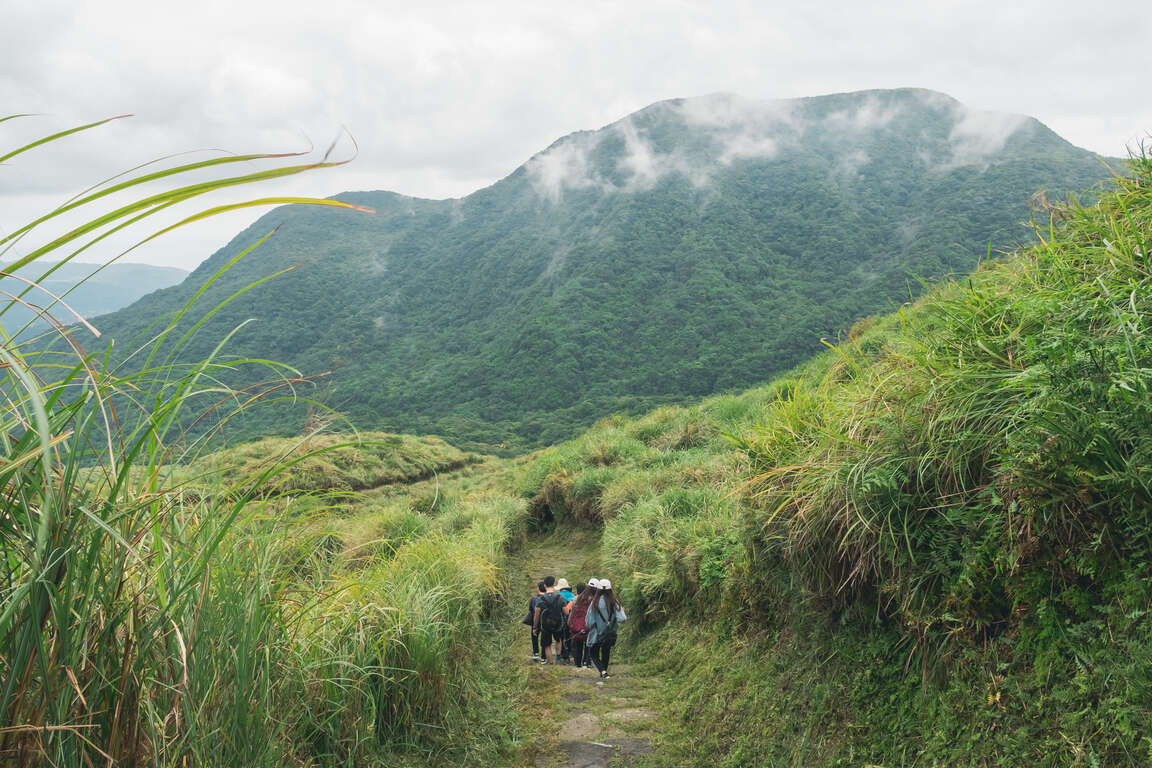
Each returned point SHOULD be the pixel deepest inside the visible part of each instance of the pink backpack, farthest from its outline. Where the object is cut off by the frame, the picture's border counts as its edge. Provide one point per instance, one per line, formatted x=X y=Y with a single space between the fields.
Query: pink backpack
x=576 y=625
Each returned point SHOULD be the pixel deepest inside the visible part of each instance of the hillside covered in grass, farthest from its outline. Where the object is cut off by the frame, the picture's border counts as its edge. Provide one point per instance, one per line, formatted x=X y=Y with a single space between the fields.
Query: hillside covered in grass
x=696 y=246
x=931 y=545
x=327 y=463
x=322 y=601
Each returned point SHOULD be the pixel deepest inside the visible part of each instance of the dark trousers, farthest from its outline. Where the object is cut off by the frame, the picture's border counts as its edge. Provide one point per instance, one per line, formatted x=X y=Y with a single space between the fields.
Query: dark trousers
x=535 y=644
x=599 y=654
x=578 y=652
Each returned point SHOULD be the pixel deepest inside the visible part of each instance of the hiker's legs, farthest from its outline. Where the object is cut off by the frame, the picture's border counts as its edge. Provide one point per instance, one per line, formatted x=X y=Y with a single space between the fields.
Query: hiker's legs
x=535 y=644
x=577 y=651
x=594 y=654
x=600 y=654
x=546 y=646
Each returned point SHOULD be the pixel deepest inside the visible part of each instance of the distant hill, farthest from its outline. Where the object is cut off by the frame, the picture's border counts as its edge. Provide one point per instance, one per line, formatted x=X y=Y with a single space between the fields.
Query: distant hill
x=696 y=246
x=113 y=287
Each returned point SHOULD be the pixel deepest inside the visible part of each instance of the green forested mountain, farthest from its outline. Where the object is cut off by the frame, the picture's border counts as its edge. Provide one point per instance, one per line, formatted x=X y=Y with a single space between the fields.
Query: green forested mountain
x=696 y=246
x=86 y=290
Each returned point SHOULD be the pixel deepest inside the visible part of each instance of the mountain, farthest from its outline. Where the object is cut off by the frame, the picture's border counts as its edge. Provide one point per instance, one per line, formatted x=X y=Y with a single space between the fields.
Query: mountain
x=696 y=246
x=112 y=287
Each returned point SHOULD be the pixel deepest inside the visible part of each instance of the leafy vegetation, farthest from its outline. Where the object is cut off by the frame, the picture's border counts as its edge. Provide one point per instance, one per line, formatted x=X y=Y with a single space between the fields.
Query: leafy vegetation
x=694 y=247
x=927 y=546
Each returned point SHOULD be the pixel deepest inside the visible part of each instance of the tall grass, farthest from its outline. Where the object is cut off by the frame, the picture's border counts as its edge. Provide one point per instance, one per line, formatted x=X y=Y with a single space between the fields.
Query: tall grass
x=105 y=575
x=143 y=624
x=991 y=455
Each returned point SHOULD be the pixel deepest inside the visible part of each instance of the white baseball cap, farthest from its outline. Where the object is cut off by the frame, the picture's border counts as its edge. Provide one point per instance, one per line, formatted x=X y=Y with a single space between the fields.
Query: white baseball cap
x=605 y=584
x=594 y=583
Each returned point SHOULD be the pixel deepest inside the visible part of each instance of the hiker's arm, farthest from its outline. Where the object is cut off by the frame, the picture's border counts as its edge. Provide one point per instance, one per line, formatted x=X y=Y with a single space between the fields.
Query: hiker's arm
x=536 y=621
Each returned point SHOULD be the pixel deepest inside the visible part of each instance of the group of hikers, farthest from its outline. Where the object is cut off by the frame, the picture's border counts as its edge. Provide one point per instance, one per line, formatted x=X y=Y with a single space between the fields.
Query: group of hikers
x=574 y=627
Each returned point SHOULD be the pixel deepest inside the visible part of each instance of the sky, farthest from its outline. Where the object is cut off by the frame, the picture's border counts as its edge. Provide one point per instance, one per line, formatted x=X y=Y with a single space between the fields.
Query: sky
x=438 y=99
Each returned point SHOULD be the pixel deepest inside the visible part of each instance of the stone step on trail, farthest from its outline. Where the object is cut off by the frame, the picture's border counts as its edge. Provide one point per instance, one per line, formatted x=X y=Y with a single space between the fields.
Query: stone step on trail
x=601 y=723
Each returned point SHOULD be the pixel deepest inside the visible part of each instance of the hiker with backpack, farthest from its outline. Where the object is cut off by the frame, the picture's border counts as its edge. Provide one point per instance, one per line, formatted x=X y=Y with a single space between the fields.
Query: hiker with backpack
x=531 y=617
x=577 y=628
x=548 y=620
x=603 y=619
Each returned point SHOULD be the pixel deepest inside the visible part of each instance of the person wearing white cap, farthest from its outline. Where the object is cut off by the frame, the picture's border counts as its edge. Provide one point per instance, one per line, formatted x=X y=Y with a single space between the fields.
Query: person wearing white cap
x=603 y=619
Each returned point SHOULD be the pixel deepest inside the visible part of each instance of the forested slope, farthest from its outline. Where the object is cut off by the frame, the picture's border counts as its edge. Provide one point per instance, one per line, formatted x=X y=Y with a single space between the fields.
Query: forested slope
x=696 y=246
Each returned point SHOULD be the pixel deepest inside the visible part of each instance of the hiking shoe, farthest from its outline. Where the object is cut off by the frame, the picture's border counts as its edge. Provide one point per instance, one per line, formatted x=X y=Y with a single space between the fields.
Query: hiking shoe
x=604 y=675
x=535 y=657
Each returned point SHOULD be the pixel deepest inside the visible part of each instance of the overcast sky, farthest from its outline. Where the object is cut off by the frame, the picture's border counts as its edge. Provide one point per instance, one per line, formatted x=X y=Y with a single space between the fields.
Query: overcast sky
x=444 y=98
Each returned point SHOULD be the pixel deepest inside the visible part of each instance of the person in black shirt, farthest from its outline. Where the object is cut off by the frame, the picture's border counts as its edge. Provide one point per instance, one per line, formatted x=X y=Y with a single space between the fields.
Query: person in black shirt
x=530 y=619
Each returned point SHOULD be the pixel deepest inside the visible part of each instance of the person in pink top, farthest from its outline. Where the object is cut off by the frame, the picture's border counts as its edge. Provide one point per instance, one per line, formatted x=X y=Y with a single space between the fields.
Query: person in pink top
x=578 y=630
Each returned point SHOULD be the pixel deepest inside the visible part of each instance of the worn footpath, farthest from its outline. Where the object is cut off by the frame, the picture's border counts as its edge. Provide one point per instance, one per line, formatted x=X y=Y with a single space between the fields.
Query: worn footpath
x=579 y=720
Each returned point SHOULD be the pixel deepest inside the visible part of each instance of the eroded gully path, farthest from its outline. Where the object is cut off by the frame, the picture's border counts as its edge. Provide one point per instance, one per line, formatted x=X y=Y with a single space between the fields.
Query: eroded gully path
x=578 y=720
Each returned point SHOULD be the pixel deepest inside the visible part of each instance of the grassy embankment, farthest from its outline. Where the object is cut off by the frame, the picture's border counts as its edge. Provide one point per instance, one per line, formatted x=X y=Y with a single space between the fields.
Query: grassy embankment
x=932 y=545
x=253 y=608
x=312 y=602
x=279 y=616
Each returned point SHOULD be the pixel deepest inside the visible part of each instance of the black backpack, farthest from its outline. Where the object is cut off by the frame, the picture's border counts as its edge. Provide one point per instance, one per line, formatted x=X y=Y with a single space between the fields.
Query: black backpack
x=532 y=601
x=552 y=611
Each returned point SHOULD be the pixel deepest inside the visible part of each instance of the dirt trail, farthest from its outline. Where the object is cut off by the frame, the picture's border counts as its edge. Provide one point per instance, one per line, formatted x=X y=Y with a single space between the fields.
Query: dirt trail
x=581 y=720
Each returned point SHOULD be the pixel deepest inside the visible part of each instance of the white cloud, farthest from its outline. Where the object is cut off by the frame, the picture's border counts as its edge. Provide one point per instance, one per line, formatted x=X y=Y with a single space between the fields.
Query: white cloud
x=870 y=115
x=978 y=134
x=849 y=165
x=645 y=166
x=741 y=145
x=744 y=128
x=563 y=166
x=729 y=111
x=975 y=133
